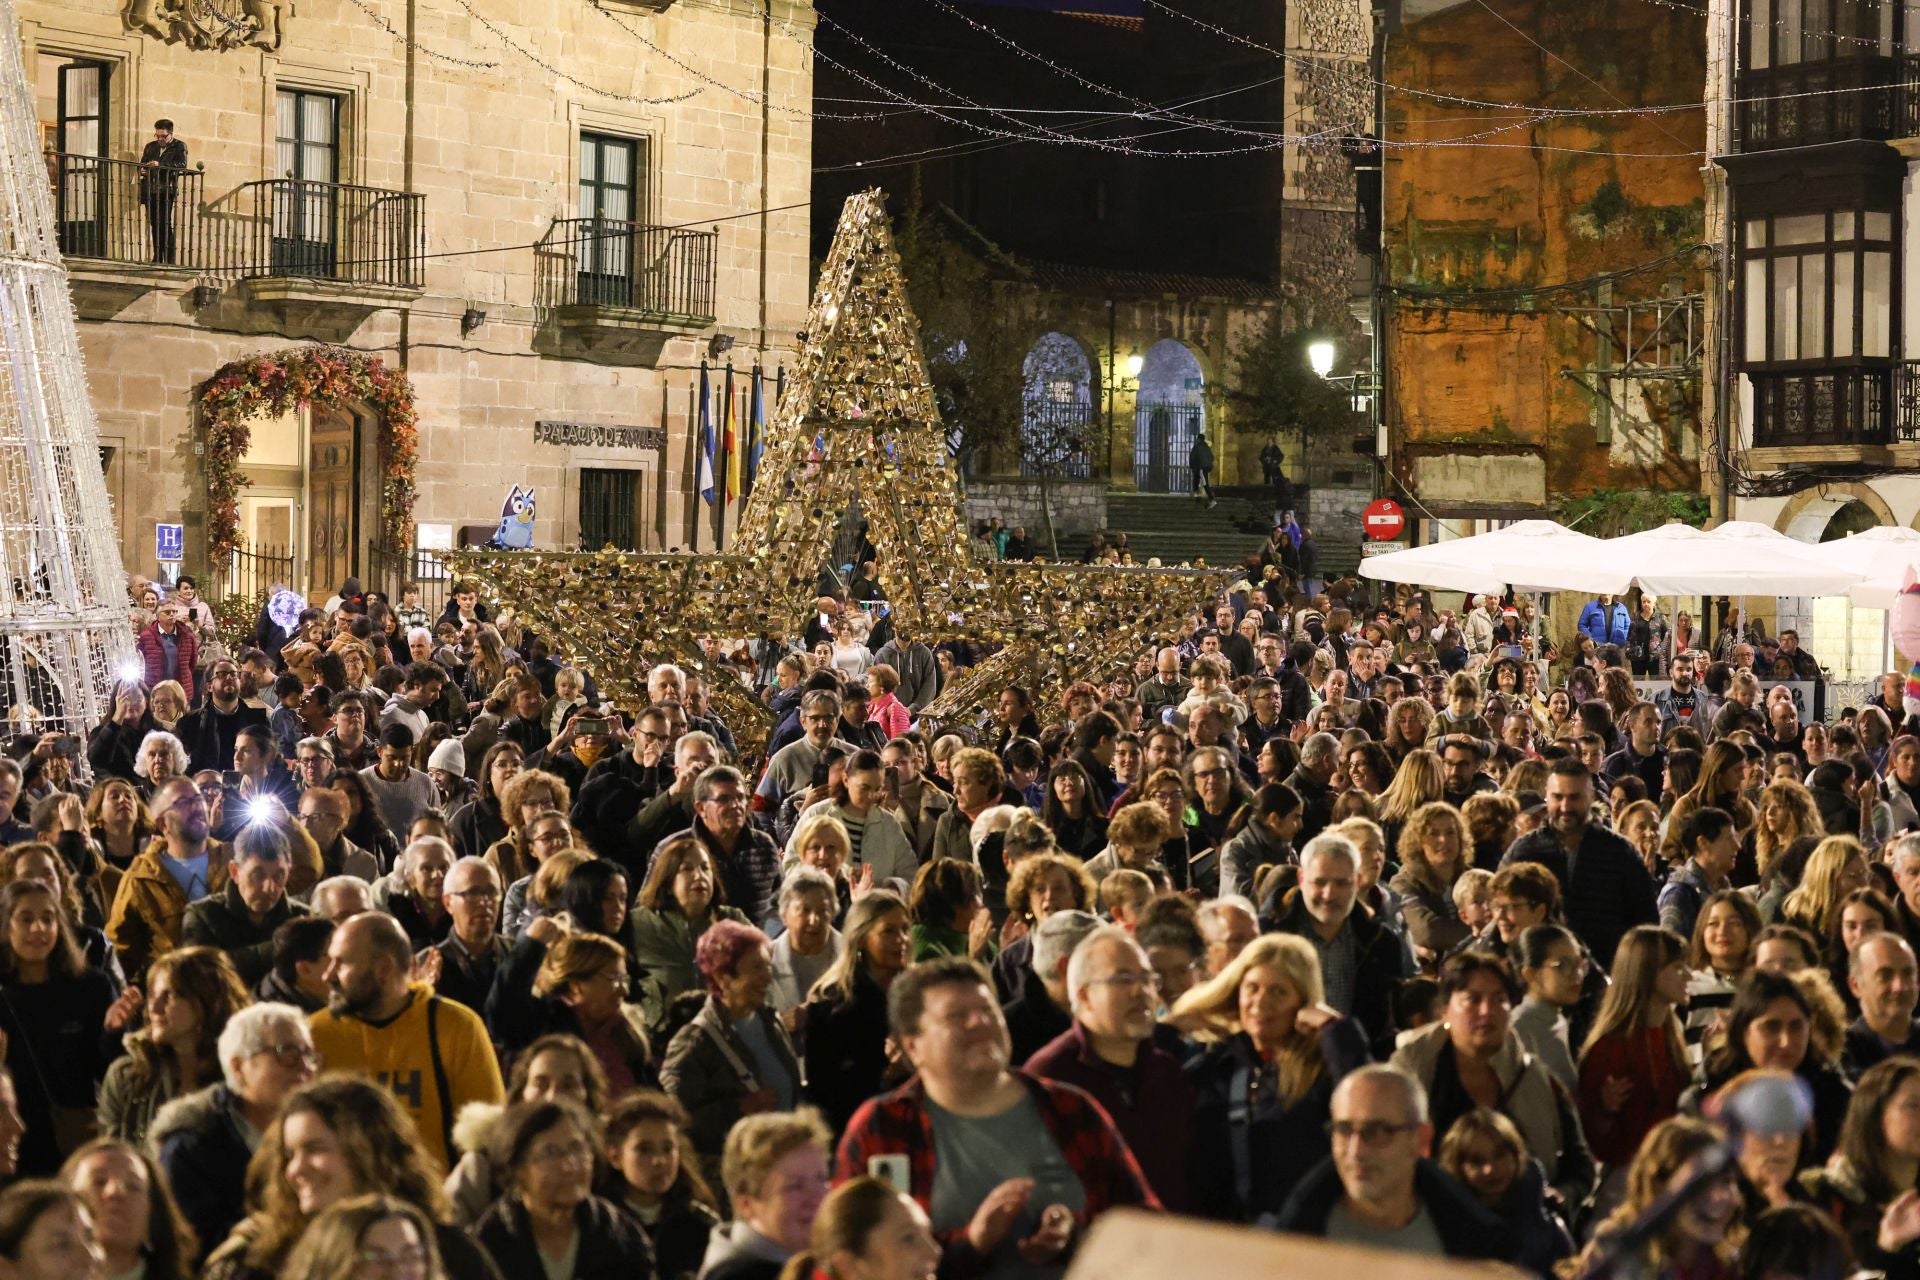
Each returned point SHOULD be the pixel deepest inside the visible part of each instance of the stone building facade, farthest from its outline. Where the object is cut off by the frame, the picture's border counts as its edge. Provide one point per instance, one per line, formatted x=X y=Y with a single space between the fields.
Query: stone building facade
x=547 y=214
x=1506 y=393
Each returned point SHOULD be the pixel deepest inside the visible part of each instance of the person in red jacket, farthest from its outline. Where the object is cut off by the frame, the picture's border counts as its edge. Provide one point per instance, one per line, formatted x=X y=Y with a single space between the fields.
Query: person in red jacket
x=168 y=648
x=1025 y=1164
x=1110 y=1052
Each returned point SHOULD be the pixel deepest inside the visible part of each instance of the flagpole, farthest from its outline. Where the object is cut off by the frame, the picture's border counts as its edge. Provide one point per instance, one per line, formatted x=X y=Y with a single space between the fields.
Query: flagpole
x=723 y=462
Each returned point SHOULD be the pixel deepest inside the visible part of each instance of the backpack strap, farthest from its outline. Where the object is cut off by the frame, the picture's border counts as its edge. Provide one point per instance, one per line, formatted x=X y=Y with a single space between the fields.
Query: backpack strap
x=440 y=1074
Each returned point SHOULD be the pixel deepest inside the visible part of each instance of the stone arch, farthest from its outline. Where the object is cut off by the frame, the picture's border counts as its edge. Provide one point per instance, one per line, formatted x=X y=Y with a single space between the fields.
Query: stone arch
x=1058 y=406
x=1170 y=409
x=1806 y=514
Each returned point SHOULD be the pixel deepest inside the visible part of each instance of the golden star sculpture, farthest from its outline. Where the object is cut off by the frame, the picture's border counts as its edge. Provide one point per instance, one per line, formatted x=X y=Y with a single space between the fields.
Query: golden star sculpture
x=857 y=427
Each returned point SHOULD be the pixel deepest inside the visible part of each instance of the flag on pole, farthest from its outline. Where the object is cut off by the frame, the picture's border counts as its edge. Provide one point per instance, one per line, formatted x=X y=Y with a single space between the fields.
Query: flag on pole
x=705 y=480
x=733 y=442
x=756 y=426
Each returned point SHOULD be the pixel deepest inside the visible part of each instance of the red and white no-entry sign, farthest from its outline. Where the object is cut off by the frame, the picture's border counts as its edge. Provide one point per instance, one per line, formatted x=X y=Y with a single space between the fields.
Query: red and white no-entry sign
x=1383 y=519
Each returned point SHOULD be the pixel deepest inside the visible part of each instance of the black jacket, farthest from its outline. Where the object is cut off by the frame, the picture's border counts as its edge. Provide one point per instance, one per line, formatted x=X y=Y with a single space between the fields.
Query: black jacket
x=1380 y=960
x=614 y=793
x=680 y=1235
x=111 y=748
x=223 y=922
x=612 y=1245
x=846 y=1050
x=1611 y=889
x=1316 y=805
x=209 y=736
x=1466 y=1230
x=1284 y=1143
x=1034 y=1019
x=199 y=1141
x=476 y=828
x=465 y=977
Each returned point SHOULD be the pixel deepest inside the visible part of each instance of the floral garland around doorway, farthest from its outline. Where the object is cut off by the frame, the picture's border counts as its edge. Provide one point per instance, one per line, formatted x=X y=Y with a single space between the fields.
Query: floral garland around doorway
x=269 y=386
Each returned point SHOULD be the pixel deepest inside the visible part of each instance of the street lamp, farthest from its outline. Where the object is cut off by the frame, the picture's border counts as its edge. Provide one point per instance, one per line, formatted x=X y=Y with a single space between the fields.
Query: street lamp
x=1320 y=356
x=1134 y=364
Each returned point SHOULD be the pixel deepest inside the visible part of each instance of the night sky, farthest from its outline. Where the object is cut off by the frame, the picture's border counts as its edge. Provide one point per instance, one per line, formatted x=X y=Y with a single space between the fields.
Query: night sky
x=1131 y=8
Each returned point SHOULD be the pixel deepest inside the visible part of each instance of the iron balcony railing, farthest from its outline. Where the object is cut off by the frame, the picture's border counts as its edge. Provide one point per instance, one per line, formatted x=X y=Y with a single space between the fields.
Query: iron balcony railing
x=663 y=272
x=1833 y=100
x=287 y=227
x=1872 y=403
x=116 y=211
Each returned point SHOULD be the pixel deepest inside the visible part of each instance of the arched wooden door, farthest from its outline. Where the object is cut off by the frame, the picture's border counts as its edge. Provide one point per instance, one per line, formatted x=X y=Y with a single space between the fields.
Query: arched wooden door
x=333 y=502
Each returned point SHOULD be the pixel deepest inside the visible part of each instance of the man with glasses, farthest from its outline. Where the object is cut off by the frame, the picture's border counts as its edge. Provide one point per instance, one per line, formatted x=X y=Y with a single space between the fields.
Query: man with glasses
x=1380 y=1188
x=210 y=730
x=745 y=858
x=791 y=768
x=183 y=865
x=617 y=787
x=462 y=967
x=323 y=812
x=241 y=919
x=205 y=1140
x=348 y=740
x=1109 y=1051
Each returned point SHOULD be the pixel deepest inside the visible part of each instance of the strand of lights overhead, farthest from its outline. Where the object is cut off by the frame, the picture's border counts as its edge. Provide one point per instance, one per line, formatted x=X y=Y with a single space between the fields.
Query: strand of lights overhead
x=754 y=96
x=380 y=20
x=641 y=100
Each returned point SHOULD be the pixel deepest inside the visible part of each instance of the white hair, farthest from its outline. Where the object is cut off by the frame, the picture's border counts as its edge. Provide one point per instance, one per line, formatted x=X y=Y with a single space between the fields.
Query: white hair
x=1410 y=1089
x=175 y=749
x=700 y=738
x=667 y=669
x=419 y=633
x=1082 y=958
x=1214 y=908
x=995 y=818
x=471 y=861
x=1054 y=941
x=321 y=898
x=1321 y=746
x=1331 y=844
x=411 y=854
x=248 y=1031
x=804 y=879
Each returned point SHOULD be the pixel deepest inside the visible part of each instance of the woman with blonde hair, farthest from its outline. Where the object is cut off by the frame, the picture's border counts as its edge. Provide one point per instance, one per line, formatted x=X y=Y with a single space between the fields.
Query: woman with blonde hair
x=1633 y=1066
x=1837 y=866
x=846 y=1012
x=1407 y=727
x=1419 y=780
x=1434 y=849
x=487 y=668
x=578 y=987
x=367 y=1236
x=1277 y=1048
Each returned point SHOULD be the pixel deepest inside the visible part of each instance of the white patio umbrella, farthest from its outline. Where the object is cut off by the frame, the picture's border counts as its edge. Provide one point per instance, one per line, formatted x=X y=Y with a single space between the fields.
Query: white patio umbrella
x=1880 y=556
x=1532 y=555
x=1740 y=558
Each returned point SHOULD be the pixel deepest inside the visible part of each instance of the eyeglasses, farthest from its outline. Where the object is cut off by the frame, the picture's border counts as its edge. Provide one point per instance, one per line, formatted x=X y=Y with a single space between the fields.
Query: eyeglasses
x=616 y=978
x=292 y=1051
x=1567 y=964
x=572 y=1153
x=477 y=896
x=1372 y=1133
x=1211 y=773
x=1127 y=981
x=210 y=790
x=401 y=1260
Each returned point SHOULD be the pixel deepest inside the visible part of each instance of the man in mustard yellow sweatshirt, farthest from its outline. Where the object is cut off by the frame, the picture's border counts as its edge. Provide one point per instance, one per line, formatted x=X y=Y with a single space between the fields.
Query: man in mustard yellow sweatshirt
x=432 y=1053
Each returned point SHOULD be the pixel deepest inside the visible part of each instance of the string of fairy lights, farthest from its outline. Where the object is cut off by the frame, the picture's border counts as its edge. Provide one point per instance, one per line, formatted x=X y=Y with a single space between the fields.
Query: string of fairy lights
x=1018 y=125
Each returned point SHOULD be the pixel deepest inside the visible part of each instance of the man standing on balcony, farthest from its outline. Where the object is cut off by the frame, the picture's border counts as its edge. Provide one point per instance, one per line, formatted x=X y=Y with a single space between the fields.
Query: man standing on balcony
x=161 y=164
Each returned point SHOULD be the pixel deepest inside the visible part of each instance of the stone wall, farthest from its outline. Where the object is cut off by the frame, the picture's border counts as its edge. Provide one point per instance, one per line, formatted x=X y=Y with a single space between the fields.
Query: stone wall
x=492 y=141
x=1079 y=506
x=1490 y=373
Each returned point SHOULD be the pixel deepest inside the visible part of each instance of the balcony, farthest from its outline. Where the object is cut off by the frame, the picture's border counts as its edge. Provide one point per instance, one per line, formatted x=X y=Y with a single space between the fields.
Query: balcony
x=1837 y=100
x=321 y=256
x=1868 y=412
x=618 y=290
x=124 y=230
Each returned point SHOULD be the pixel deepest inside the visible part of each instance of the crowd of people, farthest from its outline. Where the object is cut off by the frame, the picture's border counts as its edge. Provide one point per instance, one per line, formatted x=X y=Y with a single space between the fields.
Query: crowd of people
x=376 y=944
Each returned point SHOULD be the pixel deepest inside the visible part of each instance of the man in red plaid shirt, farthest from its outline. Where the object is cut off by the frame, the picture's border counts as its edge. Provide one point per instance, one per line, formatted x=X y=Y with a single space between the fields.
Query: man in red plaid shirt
x=1009 y=1168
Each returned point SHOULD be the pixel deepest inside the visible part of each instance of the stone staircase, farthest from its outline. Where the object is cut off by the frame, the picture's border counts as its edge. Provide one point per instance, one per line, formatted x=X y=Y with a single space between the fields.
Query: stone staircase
x=1176 y=529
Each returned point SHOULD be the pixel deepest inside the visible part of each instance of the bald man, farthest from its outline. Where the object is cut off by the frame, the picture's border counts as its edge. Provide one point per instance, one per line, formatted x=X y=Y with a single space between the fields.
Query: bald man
x=432 y=1053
